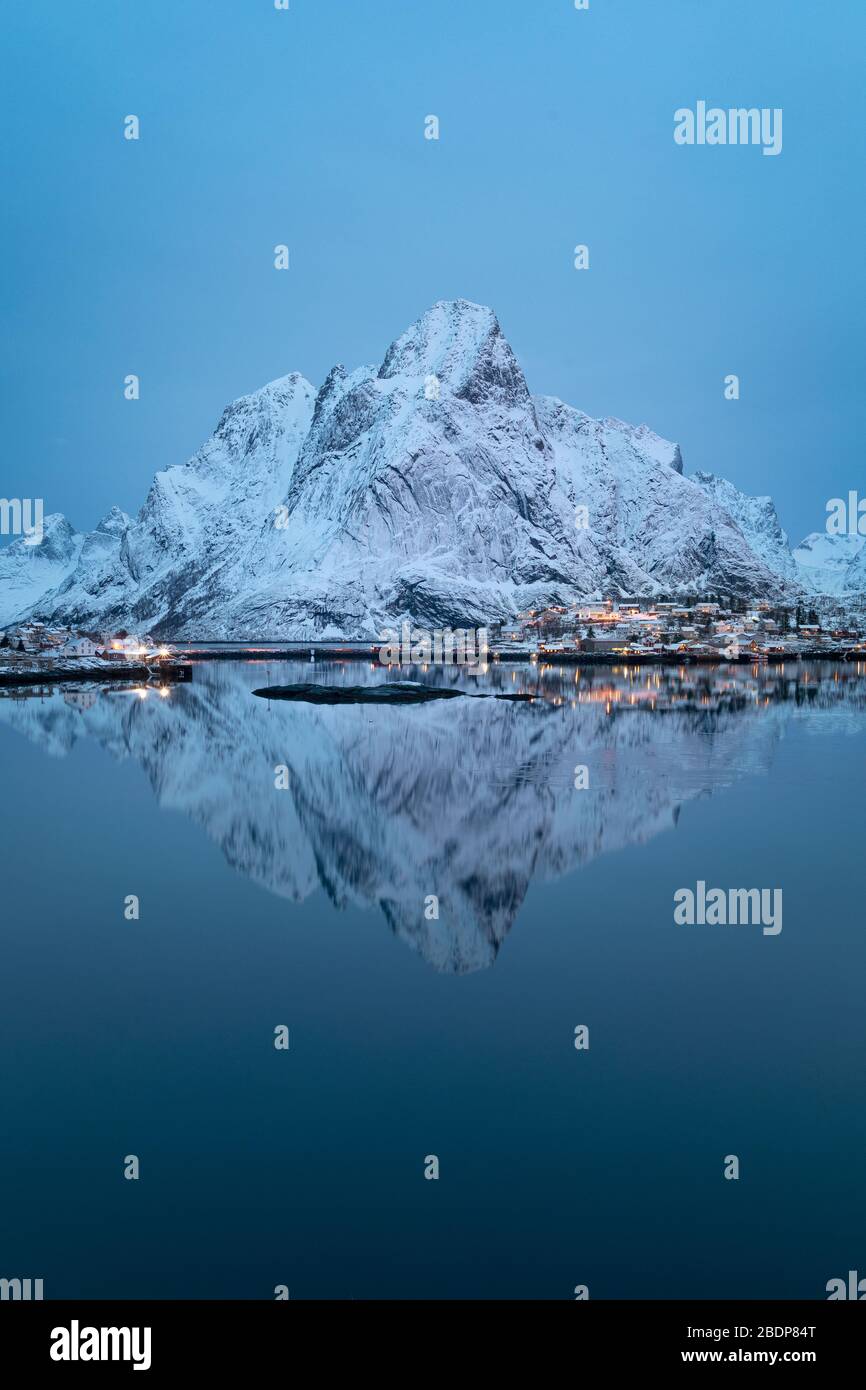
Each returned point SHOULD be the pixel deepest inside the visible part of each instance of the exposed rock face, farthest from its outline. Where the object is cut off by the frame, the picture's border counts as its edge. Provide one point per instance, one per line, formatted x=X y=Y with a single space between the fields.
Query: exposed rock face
x=433 y=488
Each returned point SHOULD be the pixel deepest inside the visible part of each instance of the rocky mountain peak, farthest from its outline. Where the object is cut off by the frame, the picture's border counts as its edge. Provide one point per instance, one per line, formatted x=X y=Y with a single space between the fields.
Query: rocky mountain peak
x=461 y=344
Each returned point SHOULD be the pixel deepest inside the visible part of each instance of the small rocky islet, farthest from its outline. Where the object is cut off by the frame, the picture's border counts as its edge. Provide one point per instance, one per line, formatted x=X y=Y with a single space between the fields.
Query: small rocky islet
x=386 y=693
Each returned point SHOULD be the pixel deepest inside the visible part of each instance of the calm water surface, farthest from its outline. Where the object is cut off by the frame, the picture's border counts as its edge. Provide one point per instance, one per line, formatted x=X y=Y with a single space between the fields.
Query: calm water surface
x=453 y=1037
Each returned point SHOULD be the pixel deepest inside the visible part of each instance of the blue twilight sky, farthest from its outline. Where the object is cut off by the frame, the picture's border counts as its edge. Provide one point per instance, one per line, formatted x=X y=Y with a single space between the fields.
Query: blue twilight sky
x=306 y=127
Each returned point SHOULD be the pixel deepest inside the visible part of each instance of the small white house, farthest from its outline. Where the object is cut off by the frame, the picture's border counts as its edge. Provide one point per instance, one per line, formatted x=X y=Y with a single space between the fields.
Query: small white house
x=80 y=646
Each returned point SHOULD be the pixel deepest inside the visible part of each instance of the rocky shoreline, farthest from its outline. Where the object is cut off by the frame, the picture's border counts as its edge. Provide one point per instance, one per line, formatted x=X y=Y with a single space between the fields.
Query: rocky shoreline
x=177 y=672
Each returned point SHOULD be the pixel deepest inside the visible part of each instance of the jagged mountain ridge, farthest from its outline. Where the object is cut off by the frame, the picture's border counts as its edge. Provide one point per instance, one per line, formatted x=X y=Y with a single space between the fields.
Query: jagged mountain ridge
x=433 y=488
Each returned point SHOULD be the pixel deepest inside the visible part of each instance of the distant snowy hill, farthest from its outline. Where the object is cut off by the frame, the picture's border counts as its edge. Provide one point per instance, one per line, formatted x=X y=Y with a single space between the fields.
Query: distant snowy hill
x=832 y=564
x=434 y=487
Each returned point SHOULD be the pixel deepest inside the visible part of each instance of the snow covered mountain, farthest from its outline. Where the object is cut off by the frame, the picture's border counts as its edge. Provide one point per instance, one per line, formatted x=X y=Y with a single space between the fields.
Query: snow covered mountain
x=434 y=487
x=29 y=572
x=757 y=519
x=832 y=564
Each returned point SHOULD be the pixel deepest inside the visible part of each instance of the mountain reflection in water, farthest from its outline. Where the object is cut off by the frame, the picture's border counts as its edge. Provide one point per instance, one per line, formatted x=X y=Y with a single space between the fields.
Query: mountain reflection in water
x=467 y=799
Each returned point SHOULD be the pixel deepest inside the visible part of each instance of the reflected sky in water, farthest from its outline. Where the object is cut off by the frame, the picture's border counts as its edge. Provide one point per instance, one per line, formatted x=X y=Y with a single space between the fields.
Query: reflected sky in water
x=452 y=1036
